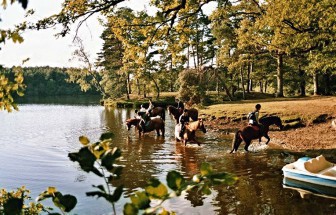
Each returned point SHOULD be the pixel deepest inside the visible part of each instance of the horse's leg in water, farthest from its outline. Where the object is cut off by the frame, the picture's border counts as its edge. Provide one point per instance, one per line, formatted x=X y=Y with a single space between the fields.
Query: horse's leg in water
x=163 y=131
x=248 y=142
x=236 y=145
x=157 y=132
x=268 y=138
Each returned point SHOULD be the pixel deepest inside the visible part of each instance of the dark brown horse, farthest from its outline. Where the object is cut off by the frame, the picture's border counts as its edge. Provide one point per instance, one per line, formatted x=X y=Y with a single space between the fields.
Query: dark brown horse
x=250 y=133
x=155 y=124
x=158 y=111
x=192 y=113
x=190 y=131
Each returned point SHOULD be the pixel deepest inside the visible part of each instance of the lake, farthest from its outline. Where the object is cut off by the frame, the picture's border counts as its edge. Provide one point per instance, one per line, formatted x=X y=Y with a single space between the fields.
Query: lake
x=35 y=142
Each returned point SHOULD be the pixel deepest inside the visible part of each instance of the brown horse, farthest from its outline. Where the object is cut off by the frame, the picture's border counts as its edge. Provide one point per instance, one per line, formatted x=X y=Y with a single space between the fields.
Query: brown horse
x=155 y=124
x=250 y=133
x=189 y=133
x=192 y=113
x=132 y=122
x=158 y=111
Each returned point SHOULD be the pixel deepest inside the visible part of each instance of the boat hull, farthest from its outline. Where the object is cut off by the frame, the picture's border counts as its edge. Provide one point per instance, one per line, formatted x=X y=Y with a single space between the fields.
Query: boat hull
x=311 y=188
x=312 y=179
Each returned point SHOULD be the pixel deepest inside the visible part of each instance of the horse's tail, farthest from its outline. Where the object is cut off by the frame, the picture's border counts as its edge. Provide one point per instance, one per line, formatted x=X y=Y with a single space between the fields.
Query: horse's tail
x=235 y=141
x=163 y=115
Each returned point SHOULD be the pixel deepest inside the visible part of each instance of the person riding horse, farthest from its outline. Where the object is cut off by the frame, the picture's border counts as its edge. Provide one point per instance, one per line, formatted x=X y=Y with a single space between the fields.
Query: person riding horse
x=253 y=118
x=184 y=118
x=180 y=105
x=145 y=116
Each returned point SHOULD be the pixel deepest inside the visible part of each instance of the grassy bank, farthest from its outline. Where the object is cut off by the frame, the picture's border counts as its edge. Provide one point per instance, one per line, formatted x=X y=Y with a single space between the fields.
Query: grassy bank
x=295 y=112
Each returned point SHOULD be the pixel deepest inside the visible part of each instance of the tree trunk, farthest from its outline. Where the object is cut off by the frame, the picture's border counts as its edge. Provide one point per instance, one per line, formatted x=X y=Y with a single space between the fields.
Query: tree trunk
x=138 y=86
x=251 y=82
x=279 y=92
x=225 y=88
x=242 y=80
x=326 y=77
x=302 y=82
x=261 y=86
x=266 y=86
x=172 y=75
x=144 y=91
x=157 y=88
x=316 y=83
x=129 y=83
x=248 y=87
x=127 y=90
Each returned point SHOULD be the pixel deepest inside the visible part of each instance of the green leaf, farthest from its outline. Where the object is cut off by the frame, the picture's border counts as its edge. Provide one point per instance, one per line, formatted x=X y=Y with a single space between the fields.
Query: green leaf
x=86 y=160
x=105 y=136
x=98 y=194
x=130 y=209
x=140 y=200
x=84 y=140
x=67 y=202
x=109 y=158
x=206 y=169
x=117 y=193
x=13 y=206
x=100 y=187
x=156 y=189
x=175 y=180
x=205 y=189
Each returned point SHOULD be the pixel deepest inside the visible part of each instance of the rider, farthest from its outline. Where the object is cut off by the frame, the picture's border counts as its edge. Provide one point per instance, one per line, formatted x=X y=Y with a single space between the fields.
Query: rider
x=145 y=117
x=253 y=118
x=184 y=118
x=180 y=105
x=150 y=106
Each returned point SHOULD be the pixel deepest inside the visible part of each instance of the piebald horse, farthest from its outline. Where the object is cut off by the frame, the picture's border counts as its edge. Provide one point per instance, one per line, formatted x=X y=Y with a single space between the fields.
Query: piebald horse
x=155 y=124
x=190 y=131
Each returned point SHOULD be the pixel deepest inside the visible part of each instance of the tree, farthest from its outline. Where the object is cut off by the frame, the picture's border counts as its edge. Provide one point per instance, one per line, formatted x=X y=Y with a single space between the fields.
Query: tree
x=88 y=76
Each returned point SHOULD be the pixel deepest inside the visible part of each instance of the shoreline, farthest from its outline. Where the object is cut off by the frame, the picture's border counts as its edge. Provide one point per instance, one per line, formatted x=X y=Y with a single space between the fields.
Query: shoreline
x=311 y=140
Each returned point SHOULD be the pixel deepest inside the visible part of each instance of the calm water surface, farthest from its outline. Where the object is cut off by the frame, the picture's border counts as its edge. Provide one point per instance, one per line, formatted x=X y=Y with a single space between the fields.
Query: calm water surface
x=35 y=142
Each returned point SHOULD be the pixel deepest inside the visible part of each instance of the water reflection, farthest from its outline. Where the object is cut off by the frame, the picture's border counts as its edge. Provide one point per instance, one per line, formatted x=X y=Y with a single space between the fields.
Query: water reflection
x=35 y=142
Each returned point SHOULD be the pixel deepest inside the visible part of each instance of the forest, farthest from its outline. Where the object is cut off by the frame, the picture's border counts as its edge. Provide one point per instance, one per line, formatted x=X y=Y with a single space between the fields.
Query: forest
x=245 y=46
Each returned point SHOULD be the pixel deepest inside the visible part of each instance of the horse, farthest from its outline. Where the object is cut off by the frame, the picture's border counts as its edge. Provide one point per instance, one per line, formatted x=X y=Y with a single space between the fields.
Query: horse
x=132 y=122
x=155 y=124
x=249 y=133
x=190 y=130
x=192 y=113
x=158 y=111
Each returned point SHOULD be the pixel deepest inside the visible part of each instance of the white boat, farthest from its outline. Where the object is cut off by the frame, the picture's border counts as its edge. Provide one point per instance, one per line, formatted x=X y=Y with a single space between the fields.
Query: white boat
x=314 y=171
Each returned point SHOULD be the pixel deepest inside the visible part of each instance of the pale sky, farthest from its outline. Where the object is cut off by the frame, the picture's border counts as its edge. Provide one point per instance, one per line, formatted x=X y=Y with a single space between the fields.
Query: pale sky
x=42 y=47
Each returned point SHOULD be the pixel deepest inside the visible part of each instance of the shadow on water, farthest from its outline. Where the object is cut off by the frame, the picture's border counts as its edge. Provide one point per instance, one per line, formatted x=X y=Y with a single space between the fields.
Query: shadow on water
x=259 y=189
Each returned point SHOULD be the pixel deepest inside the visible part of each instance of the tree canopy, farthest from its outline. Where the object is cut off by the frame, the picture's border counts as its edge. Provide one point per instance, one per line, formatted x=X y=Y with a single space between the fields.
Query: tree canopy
x=240 y=46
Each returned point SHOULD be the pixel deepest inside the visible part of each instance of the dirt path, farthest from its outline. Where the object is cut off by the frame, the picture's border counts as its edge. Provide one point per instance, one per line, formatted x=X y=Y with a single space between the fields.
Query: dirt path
x=311 y=136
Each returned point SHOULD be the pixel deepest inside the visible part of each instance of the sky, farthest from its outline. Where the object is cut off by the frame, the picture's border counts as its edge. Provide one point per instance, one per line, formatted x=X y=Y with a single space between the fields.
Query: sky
x=42 y=47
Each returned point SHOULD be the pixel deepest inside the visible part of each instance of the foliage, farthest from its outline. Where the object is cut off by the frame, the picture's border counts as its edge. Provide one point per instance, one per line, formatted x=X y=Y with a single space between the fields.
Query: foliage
x=87 y=77
x=263 y=45
x=141 y=201
x=10 y=85
x=13 y=203
x=100 y=158
x=192 y=86
x=65 y=202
